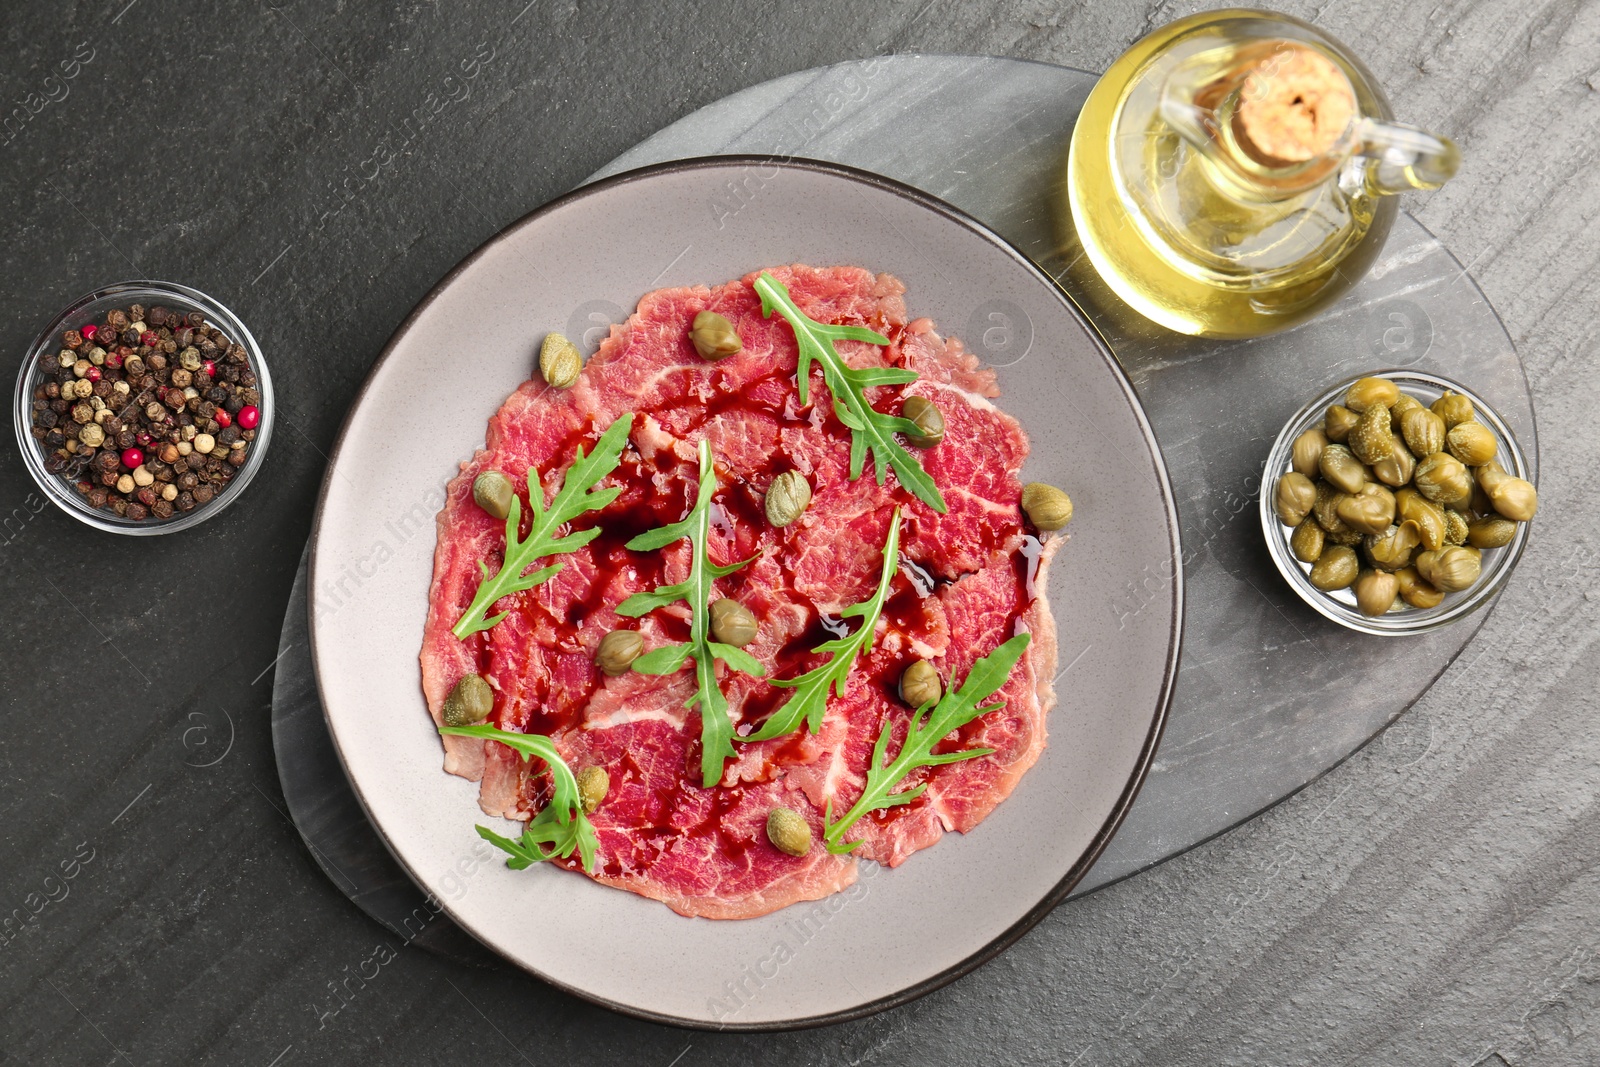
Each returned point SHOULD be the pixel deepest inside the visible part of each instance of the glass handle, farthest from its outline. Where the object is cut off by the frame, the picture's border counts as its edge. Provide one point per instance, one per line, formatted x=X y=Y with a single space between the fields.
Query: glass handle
x=1405 y=157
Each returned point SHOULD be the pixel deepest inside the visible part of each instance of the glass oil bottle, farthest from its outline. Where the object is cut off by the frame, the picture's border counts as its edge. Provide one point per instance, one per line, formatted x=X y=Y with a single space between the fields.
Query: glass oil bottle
x=1232 y=173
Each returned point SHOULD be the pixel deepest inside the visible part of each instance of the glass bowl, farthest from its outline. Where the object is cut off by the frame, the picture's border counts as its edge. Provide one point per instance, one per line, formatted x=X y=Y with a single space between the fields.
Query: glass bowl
x=93 y=308
x=1340 y=605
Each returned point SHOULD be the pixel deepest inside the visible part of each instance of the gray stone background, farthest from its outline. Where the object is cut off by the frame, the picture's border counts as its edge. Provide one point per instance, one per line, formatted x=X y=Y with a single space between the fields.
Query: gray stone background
x=1434 y=900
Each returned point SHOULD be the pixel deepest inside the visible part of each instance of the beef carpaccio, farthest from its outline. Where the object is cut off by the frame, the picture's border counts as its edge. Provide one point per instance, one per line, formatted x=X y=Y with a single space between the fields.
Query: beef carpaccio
x=968 y=580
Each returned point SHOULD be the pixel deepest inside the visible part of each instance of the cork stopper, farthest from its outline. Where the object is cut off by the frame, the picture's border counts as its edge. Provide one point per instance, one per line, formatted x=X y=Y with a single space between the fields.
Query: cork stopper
x=1294 y=106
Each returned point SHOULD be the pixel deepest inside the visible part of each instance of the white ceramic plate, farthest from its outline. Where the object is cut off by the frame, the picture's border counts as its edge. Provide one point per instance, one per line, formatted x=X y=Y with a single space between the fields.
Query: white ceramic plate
x=582 y=262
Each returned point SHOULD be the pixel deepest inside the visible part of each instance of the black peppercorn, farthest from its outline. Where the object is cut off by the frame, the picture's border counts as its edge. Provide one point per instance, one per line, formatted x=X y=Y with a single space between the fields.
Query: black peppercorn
x=203 y=494
x=156 y=317
x=137 y=512
x=161 y=509
x=97 y=498
x=185 y=501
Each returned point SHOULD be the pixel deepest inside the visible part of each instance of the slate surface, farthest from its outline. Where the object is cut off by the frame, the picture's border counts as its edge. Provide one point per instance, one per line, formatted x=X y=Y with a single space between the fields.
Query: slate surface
x=1434 y=900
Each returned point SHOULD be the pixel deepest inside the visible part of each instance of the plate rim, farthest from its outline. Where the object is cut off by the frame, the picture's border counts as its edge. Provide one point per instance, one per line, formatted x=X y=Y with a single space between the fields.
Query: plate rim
x=1108 y=828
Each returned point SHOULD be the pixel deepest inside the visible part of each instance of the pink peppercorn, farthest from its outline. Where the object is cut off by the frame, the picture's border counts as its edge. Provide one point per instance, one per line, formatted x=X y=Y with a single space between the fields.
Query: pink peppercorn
x=224 y=420
x=143 y=438
x=93 y=374
x=149 y=337
x=210 y=367
x=113 y=360
x=132 y=457
x=89 y=331
x=249 y=416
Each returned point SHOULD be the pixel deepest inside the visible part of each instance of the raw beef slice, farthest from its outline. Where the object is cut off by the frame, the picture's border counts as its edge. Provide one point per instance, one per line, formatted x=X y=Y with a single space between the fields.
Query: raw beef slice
x=964 y=586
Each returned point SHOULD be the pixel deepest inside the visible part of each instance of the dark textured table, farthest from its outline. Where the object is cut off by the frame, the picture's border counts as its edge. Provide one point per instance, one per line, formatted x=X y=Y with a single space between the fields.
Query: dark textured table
x=1433 y=900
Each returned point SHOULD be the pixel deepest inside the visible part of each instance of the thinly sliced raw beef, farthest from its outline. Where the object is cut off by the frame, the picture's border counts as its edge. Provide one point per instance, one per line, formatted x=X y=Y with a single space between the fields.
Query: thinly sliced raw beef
x=968 y=581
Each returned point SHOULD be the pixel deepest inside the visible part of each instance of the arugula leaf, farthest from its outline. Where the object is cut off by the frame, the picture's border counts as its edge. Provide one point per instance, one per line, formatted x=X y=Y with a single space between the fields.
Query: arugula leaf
x=715 y=727
x=810 y=700
x=870 y=430
x=572 y=501
x=924 y=732
x=562 y=824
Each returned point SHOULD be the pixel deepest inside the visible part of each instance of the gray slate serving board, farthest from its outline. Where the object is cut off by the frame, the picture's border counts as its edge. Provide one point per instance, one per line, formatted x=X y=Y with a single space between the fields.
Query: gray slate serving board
x=1269 y=695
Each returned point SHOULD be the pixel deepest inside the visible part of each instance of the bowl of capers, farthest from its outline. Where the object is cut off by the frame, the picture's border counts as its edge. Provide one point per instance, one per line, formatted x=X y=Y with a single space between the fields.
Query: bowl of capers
x=1396 y=503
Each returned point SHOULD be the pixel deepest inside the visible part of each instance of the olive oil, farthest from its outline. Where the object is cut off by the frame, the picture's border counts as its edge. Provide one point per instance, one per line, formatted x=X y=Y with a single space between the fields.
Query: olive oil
x=1230 y=174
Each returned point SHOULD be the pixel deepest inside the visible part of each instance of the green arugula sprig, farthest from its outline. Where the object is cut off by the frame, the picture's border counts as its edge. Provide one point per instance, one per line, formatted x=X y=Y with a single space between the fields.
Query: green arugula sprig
x=716 y=729
x=870 y=430
x=573 y=500
x=925 y=730
x=562 y=825
x=810 y=699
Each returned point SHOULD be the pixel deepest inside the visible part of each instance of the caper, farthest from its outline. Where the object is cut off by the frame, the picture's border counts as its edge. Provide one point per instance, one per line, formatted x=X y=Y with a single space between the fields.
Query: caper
x=1342 y=469
x=1338 y=422
x=1423 y=431
x=1308 y=452
x=1472 y=443
x=1371 y=393
x=1397 y=410
x=1326 y=510
x=470 y=701
x=1451 y=569
x=1455 y=527
x=787 y=498
x=1370 y=511
x=559 y=361
x=919 y=684
x=1307 y=541
x=618 y=649
x=1428 y=517
x=493 y=493
x=1397 y=468
x=1415 y=591
x=714 y=336
x=1492 y=532
x=1512 y=497
x=1454 y=409
x=1376 y=592
x=929 y=420
x=788 y=831
x=1443 y=479
x=1048 y=508
x=593 y=785
x=1336 y=569
x=1293 y=498
x=1393 y=548
x=1371 y=438
x=732 y=623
